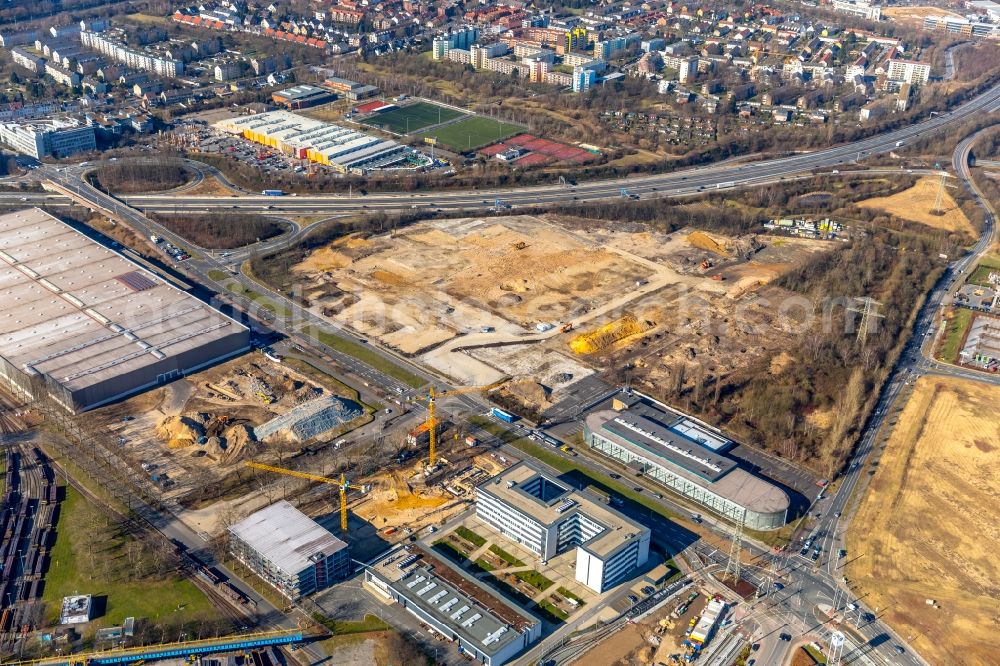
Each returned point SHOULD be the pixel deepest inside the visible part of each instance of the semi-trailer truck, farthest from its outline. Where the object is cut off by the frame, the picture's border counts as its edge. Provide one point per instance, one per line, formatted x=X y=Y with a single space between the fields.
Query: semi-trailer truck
x=273 y=193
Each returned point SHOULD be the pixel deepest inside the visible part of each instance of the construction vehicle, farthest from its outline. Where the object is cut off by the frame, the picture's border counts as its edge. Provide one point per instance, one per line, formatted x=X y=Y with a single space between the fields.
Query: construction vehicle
x=705 y=265
x=342 y=484
x=567 y=327
x=718 y=277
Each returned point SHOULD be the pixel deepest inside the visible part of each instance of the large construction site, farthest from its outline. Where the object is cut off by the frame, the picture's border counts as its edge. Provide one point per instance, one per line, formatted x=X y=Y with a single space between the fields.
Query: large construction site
x=479 y=299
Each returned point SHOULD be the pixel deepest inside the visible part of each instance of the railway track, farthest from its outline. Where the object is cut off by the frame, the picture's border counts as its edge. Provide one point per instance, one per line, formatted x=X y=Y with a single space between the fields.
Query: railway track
x=26 y=525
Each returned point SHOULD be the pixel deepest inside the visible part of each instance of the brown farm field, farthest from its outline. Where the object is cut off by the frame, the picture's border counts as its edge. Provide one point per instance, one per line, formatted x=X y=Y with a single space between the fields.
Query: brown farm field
x=927 y=528
x=917 y=204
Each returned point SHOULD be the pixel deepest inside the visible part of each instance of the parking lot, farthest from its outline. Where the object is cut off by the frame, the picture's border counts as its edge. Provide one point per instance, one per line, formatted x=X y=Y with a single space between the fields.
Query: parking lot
x=206 y=139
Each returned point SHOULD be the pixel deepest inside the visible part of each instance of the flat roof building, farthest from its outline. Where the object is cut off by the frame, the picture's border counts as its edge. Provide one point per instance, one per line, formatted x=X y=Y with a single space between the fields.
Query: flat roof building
x=302 y=96
x=290 y=550
x=685 y=455
x=548 y=518
x=87 y=326
x=42 y=138
x=455 y=605
x=340 y=147
x=75 y=609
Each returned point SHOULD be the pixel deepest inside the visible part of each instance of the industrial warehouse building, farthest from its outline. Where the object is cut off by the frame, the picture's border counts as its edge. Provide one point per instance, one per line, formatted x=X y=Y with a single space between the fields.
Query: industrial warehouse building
x=486 y=627
x=87 y=327
x=339 y=147
x=302 y=96
x=290 y=550
x=687 y=457
x=536 y=511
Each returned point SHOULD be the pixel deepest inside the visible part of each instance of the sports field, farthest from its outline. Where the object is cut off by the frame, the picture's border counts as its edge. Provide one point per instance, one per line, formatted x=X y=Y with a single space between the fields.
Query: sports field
x=472 y=133
x=413 y=117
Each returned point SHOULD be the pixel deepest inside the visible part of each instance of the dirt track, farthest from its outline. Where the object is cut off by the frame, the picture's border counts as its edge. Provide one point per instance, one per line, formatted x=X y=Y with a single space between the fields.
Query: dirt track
x=928 y=527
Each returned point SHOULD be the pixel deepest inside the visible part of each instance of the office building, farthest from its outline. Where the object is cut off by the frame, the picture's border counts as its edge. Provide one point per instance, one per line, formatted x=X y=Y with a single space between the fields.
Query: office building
x=488 y=629
x=550 y=518
x=290 y=550
x=686 y=456
x=85 y=326
x=45 y=138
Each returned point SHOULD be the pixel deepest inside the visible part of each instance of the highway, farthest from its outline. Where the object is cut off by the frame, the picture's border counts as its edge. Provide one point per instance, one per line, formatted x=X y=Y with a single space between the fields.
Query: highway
x=805 y=585
x=685 y=182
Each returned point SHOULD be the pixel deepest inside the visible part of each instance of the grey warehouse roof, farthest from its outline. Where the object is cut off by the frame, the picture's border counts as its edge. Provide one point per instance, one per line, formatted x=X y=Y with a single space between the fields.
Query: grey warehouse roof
x=83 y=314
x=286 y=537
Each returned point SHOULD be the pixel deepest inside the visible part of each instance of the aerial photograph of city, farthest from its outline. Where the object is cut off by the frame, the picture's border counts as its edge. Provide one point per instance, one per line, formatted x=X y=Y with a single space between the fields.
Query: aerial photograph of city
x=499 y=332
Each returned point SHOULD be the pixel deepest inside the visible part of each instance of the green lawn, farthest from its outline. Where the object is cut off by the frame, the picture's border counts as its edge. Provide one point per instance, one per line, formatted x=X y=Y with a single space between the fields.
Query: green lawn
x=367 y=355
x=817 y=656
x=450 y=550
x=341 y=627
x=554 y=614
x=563 y=592
x=218 y=275
x=954 y=333
x=986 y=266
x=505 y=556
x=412 y=118
x=535 y=580
x=472 y=133
x=470 y=536
x=92 y=557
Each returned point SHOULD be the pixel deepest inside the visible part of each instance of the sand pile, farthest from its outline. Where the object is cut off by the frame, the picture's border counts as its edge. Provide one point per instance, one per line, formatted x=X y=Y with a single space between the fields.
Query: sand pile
x=179 y=431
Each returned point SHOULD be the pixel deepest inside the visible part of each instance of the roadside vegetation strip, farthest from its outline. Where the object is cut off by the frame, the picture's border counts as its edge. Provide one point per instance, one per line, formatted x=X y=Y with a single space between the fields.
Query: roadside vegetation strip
x=367 y=356
x=259 y=299
x=955 y=334
x=339 y=387
x=218 y=275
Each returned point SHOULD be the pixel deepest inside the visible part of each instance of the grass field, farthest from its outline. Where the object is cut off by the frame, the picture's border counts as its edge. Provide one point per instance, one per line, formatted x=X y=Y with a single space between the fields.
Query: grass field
x=92 y=557
x=472 y=133
x=927 y=527
x=917 y=205
x=981 y=275
x=412 y=118
x=958 y=324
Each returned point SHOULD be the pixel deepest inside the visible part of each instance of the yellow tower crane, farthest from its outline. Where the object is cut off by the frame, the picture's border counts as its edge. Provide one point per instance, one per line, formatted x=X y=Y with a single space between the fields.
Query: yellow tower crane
x=343 y=484
x=431 y=409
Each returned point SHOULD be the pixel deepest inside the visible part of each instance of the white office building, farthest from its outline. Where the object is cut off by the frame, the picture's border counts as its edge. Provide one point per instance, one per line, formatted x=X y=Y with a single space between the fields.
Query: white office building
x=42 y=138
x=687 y=457
x=548 y=518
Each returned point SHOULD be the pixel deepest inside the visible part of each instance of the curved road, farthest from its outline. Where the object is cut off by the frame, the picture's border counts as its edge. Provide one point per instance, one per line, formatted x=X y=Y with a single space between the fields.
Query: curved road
x=678 y=183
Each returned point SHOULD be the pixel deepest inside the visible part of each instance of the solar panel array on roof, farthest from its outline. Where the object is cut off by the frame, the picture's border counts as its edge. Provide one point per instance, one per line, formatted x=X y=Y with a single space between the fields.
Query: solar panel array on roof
x=136 y=281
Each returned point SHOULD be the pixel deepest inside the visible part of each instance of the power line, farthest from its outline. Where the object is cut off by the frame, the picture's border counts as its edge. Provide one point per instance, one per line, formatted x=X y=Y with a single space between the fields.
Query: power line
x=734 y=565
x=867 y=307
